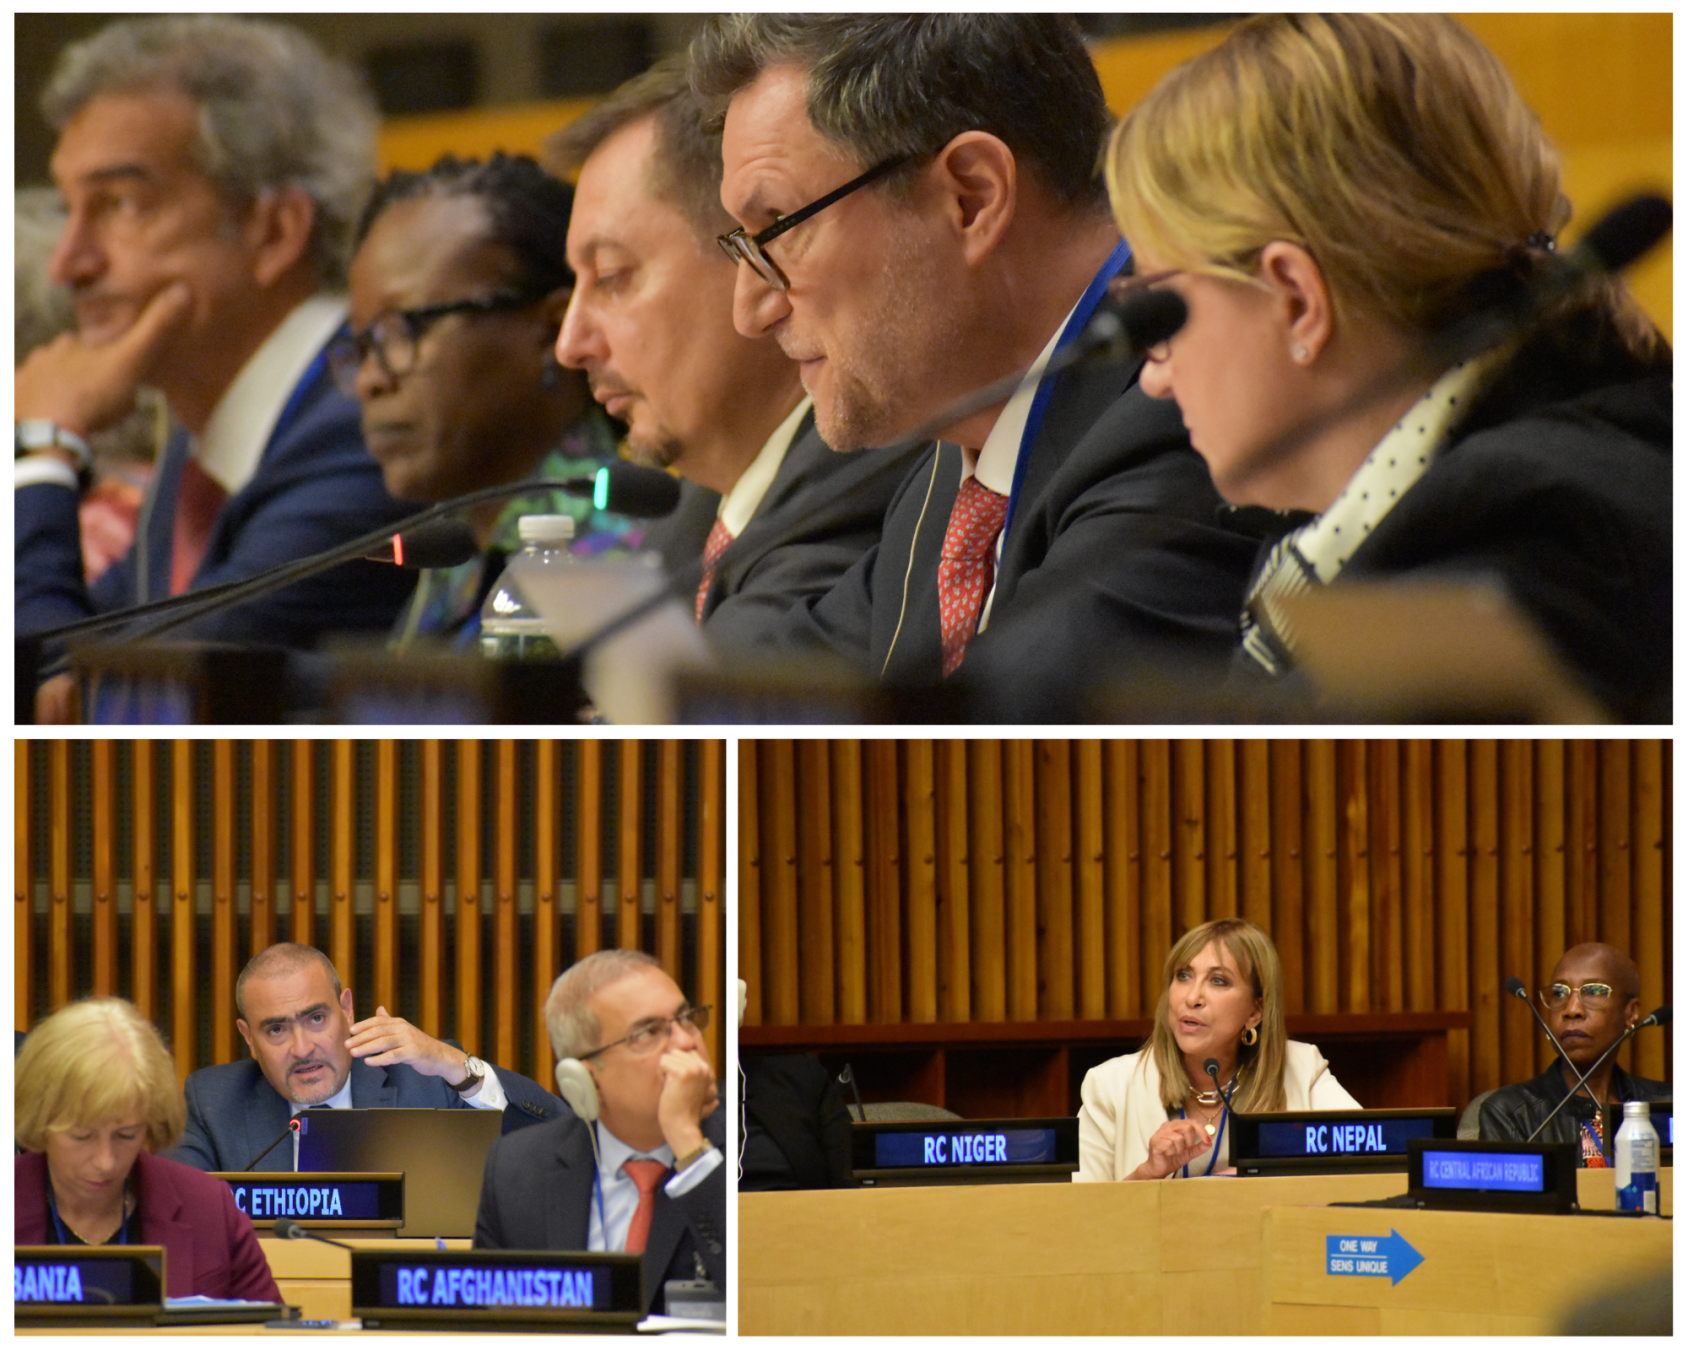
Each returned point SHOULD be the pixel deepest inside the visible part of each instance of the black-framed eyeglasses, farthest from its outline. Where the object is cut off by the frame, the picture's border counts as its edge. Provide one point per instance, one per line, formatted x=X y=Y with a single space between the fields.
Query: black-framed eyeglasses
x=394 y=334
x=646 y=1037
x=742 y=247
x=1594 y=994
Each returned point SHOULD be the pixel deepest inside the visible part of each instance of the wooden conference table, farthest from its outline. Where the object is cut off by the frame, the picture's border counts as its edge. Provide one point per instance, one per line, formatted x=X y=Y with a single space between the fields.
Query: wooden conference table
x=1244 y=1256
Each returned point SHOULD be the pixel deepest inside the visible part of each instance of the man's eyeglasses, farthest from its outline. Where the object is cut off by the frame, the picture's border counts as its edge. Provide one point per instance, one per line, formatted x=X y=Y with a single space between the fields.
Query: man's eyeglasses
x=394 y=335
x=647 y=1037
x=742 y=247
x=1595 y=994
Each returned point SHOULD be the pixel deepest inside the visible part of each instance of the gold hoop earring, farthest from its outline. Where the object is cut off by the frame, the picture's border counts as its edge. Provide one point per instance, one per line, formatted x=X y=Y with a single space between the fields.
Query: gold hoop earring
x=1250 y=1035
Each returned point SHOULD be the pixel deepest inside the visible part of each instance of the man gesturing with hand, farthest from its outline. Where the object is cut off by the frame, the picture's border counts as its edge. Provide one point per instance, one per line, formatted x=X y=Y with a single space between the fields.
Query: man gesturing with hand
x=637 y=1166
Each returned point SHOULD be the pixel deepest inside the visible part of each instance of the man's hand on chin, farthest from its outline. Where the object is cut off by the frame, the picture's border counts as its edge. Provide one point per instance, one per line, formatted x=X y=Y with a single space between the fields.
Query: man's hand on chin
x=85 y=388
x=689 y=1095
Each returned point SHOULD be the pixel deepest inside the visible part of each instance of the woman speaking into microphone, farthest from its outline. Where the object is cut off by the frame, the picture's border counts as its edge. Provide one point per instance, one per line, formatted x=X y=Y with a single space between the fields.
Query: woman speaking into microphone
x=1160 y=1112
x=1336 y=198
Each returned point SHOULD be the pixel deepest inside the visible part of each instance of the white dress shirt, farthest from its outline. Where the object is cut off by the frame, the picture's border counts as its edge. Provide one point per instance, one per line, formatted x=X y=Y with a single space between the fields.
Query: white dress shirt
x=606 y=1230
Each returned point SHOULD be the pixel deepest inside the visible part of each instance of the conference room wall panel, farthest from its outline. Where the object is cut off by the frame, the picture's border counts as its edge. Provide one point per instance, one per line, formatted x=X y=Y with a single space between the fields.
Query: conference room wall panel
x=449 y=881
x=911 y=881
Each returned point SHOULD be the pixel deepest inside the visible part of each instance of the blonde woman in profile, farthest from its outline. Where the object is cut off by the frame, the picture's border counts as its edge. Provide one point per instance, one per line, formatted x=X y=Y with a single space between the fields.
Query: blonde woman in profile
x=1330 y=194
x=1159 y=1113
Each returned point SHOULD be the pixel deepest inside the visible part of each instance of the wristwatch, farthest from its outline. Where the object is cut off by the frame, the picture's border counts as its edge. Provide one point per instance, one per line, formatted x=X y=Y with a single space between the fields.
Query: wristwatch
x=474 y=1072
x=35 y=434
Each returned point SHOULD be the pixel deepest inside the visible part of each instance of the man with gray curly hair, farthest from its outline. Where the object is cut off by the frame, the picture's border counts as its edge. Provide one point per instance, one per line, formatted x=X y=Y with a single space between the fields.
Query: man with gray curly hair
x=636 y=1166
x=212 y=170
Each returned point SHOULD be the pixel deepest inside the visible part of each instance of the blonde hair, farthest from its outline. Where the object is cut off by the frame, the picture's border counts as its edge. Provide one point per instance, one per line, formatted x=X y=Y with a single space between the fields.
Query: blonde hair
x=92 y=1063
x=1260 y=1067
x=1394 y=148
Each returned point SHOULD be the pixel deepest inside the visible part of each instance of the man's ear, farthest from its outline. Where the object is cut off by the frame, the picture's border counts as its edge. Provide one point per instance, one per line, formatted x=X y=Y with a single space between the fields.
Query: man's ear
x=979 y=180
x=346 y=1004
x=278 y=229
x=1289 y=271
x=246 y=1035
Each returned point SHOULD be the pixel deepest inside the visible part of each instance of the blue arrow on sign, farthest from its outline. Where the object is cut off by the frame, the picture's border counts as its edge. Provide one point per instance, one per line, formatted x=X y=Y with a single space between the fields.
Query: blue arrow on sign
x=1364 y=1254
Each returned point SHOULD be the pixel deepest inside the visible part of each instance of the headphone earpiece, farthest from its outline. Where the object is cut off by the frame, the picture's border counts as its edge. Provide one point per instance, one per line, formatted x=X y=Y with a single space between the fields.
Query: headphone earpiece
x=576 y=1087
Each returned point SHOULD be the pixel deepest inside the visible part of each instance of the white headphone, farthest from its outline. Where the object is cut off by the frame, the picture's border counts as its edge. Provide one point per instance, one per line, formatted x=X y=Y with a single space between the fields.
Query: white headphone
x=576 y=1087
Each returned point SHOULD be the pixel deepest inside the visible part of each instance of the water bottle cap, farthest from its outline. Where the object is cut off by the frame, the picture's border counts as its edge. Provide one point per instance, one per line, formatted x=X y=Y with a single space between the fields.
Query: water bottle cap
x=1636 y=1110
x=546 y=529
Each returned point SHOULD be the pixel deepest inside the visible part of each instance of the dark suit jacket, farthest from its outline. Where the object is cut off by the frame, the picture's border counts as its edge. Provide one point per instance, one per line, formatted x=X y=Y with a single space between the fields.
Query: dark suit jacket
x=209 y=1245
x=797 y=1102
x=233 y=1111
x=536 y=1195
x=315 y=487
x=821 y=513
x=1114 y=557
x=1514 y=1111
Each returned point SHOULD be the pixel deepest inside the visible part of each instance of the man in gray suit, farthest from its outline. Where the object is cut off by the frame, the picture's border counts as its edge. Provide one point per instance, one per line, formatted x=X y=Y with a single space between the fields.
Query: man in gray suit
x=296 y=1018
x=638 y=1164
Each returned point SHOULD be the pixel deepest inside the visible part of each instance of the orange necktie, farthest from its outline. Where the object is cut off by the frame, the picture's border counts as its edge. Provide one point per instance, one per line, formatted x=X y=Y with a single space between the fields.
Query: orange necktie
x=969 y=562
x=198 y=500
x=646 y=1174
x=719 y=537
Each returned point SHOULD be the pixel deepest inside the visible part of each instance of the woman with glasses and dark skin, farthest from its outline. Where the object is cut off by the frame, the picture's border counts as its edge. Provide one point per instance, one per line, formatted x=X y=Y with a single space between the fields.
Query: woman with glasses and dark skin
x=1592 y=998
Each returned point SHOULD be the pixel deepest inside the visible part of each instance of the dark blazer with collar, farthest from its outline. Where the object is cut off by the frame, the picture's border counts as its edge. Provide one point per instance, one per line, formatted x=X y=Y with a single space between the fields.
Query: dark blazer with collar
x=209 y=1244
x=536 y=1195
x=798 y=1103
x=1559 y=489
x=315 y=487
x=233 y=1111
x=1115 y=557
x=821 y=513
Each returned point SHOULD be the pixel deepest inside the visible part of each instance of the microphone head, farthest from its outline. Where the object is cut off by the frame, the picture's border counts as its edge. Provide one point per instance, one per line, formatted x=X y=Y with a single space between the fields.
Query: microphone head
x=632 y=490
x=1212 y=1067
x=439 y=543
x=1658 y=1017
x=1626 y=232
x=1515 y=987
x=284 y=1227
x=1150 y=317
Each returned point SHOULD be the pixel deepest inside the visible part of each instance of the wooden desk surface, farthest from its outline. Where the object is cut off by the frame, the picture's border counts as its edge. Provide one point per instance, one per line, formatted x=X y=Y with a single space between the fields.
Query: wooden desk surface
x=1052 y=1259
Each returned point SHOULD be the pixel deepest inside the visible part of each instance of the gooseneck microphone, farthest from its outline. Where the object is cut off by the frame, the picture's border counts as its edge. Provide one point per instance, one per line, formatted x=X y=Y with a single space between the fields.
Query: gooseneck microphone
x=1657 y=1018
x=292 y=1128
x=1212 y=1067
x=620 y=488
x=1515 y=987
x=287 y=1228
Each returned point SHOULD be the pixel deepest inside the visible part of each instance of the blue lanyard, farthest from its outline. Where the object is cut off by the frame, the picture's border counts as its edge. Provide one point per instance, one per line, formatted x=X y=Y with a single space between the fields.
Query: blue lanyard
x=1218 y=1139
x=53 y=1209
x=1076 y=324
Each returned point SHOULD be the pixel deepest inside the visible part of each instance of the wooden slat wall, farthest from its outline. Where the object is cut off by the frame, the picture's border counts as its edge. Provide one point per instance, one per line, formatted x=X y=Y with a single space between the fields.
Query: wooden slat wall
x=465 y=959
x=922 y=881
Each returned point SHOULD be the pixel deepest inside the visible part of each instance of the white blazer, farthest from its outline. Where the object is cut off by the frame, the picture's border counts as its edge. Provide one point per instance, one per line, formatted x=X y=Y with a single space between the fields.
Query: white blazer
x=1121 y=1107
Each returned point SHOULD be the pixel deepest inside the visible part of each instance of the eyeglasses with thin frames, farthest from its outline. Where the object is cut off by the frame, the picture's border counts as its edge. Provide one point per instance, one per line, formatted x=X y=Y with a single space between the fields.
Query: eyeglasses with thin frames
x=395 y=334
x=644 y=1039
x=1595 y=994
x=742 y=247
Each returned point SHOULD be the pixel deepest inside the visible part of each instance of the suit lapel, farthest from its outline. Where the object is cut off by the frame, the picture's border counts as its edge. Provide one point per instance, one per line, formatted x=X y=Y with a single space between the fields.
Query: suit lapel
x=372 y=1087
x=265 y=1117
x=569 y=1195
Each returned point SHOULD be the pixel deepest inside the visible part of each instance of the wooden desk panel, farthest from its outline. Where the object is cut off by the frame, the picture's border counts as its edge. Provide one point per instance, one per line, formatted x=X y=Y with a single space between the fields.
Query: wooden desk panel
x=1482 y=1274
x=318 y=1278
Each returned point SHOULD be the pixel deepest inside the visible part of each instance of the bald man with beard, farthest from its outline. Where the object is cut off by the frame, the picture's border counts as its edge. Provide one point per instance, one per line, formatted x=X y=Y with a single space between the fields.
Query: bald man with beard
x=1592 y=997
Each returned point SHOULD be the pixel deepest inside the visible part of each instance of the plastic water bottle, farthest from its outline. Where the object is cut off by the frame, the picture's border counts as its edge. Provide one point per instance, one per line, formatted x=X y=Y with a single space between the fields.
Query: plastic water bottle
x=1636 y=1153
x=511 y=629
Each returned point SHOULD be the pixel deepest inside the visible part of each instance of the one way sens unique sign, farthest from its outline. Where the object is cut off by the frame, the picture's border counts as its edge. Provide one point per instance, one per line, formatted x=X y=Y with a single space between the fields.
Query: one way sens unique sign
x=1393 y=1256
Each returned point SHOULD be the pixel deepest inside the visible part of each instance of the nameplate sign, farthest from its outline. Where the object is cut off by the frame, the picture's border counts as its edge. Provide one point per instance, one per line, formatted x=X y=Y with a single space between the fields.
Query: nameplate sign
x=484 y=1288
x=320 y=1199
x=1493 y=1175
x=964 y=1149
x=1338 y=1141
x=87 y=1281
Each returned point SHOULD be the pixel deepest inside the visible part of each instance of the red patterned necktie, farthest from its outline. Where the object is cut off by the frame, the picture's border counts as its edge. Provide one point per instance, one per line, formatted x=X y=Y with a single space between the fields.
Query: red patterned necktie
x=646 y=1174
x=719 y=537
x=199 y=498
x=969 y=562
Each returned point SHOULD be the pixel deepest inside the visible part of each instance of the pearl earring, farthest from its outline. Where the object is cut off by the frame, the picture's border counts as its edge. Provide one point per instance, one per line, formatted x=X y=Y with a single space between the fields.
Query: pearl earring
x=1299 y=352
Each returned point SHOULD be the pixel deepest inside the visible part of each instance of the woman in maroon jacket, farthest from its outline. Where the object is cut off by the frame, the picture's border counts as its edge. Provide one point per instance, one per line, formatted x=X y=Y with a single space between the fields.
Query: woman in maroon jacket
x=96 y=1097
